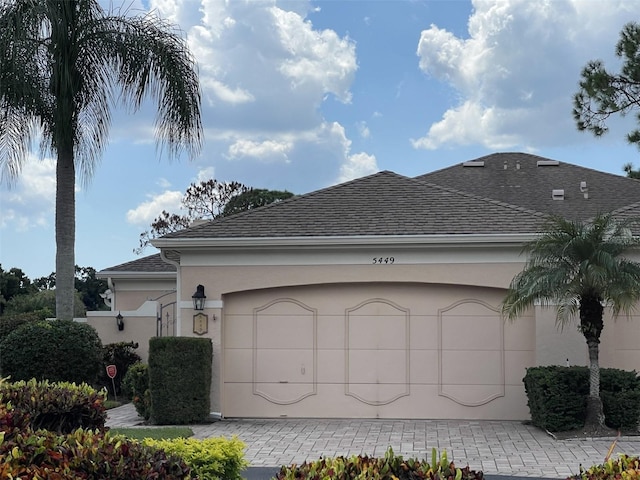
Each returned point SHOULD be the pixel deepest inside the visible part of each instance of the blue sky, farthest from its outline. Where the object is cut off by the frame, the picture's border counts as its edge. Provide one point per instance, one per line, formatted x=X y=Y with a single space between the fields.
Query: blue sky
x=300 y=95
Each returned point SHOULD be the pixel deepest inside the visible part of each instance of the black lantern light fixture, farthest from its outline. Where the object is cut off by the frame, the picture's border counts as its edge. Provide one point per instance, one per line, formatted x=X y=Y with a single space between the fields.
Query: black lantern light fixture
x=199 y=298
x=120 y=321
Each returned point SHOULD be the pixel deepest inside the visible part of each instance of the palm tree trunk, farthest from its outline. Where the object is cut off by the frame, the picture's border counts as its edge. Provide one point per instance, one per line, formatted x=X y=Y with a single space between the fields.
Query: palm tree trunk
x=595 y=414
x=65 y=232
x=591 y=324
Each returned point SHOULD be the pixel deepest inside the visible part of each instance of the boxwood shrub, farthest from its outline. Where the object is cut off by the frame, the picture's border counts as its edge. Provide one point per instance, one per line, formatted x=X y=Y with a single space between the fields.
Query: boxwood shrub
x=557 y=397
x=180 y=379
x=56 y=350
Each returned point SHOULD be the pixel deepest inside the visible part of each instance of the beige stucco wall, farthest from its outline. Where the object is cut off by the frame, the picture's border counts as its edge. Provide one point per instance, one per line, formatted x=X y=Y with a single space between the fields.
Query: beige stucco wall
x=222 y=280
x=139 y=327
x=229 y=275
x=130 y=293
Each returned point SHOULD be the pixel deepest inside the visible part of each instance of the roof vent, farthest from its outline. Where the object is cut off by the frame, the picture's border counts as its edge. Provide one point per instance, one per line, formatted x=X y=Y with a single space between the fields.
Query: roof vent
x=584 y=189
x=557 y=194
x=474 y=163
x=548 y=163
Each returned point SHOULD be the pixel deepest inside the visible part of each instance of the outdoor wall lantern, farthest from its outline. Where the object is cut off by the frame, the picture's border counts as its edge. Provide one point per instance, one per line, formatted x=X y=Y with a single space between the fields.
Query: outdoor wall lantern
x=199 y=298
x=120 y=321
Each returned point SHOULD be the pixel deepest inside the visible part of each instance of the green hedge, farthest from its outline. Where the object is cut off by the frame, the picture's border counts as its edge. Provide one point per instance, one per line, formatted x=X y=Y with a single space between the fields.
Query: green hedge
x=180 y=379
x=557 y=397
x=56 y=350
x=208 y=459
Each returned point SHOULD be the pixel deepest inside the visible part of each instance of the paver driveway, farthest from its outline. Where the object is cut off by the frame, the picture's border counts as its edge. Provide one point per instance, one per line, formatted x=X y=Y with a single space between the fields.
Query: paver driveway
x=495 y=447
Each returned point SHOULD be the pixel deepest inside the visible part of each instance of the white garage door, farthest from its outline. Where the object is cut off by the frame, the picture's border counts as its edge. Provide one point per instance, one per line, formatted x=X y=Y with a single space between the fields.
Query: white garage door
x=373 y=351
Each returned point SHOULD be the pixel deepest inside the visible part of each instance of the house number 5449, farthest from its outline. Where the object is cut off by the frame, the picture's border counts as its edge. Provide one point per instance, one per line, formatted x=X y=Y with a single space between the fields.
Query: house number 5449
x=383 y=260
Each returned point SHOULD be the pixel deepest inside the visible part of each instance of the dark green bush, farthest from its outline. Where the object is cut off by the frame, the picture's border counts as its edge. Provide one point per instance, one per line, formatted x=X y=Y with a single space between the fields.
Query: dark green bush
x=58 y=407
x=10 y=322
x=135 y=386
x=620 y=393
x=56 y=350
x=557 y=397
x=180 y=379
x=122 y=355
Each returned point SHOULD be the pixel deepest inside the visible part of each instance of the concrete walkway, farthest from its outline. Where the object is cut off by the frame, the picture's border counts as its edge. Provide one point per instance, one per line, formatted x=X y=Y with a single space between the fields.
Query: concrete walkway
x=495 y=447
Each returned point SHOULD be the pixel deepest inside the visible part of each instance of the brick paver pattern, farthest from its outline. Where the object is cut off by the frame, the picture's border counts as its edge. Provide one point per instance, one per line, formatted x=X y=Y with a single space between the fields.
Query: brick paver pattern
x=495 y=447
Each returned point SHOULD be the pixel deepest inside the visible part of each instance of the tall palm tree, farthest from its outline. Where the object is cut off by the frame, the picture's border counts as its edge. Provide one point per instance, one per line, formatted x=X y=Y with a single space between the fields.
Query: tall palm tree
x=579 y=268
x=63 y=65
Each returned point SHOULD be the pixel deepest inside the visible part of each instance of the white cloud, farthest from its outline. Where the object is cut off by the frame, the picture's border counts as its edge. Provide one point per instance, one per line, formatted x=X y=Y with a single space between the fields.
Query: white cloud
x=518 y=69
x=357 y=166
x=30 y=201
x=226 y=93
x=265 y=151
x=319 y=58
x=147 y=211
x=206 y=174
x=363 y=129
x=264 y=68
x=265 y=71
x=163 y=183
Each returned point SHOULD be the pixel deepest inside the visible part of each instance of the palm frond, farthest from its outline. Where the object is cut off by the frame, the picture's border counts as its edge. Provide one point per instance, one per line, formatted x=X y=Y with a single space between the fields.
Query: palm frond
x=570 y=261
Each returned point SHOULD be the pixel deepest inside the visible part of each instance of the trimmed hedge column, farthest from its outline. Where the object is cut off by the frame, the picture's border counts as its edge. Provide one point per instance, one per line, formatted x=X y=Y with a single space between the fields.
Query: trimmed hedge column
x=180 y=379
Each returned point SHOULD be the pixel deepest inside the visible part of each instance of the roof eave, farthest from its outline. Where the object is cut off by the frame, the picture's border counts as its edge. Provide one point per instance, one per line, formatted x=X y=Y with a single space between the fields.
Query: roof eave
x=137 y=274
x=344 y=241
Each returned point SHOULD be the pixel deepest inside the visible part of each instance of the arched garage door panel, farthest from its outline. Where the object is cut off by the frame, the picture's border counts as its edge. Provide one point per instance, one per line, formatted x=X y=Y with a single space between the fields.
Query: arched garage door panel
x=373 y=350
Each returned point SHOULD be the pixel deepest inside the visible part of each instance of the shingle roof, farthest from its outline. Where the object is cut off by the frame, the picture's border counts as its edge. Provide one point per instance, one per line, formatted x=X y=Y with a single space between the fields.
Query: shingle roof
x=381 y=204
x=530 y=186
x=151 y=263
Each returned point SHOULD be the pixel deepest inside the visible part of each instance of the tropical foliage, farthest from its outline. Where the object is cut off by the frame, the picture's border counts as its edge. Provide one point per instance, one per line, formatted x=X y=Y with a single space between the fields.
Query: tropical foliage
x=63 y=65
x=578 y=268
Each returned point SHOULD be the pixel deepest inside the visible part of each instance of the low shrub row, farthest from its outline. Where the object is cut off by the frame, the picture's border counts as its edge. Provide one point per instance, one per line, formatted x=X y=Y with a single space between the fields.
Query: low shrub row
x=58 y=407
x=390 y=467
x=209 y=459
x=56 y=431
x=623 y=467
x=557 y=397
x=83 y=454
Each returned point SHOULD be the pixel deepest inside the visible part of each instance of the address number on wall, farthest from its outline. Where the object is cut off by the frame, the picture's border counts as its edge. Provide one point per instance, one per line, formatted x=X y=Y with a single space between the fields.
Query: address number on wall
x=383 y=260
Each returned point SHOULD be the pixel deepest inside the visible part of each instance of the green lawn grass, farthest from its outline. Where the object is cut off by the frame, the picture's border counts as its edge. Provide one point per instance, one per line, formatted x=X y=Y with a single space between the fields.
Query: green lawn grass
x=157 y=433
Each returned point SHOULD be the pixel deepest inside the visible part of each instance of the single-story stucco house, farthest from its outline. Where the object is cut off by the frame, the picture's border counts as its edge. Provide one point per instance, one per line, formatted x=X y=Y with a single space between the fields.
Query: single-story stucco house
x=375 y=298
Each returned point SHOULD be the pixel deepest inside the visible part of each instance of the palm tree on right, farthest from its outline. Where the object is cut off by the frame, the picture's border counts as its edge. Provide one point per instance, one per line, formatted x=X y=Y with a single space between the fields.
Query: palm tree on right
x=580 y=268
